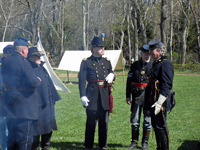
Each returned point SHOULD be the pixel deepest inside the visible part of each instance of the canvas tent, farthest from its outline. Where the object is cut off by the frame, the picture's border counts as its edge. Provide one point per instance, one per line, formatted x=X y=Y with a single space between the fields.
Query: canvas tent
x=71 y=60
x=4 y=44
x=57 y=82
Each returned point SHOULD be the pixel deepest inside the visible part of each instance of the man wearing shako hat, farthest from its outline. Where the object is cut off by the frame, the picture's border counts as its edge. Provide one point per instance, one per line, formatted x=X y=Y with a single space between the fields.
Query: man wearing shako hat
x=96 y=98
x=157 y=95
x=135 y=86
x=20 y=98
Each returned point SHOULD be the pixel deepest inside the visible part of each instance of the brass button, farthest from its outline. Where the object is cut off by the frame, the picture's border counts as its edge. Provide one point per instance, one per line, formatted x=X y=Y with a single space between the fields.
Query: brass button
x=97 y=75
x=93 y=64
x=96 y=71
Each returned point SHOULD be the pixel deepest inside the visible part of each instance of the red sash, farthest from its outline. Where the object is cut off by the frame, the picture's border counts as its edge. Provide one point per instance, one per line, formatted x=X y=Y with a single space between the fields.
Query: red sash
x=92 y=83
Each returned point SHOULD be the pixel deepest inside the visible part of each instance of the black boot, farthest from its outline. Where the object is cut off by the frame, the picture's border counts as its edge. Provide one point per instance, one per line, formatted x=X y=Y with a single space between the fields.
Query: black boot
x=36 y=143
x=164 y=140
x=158 y=139
x=145 y=139
x=45 y=141
x=161 y=139
x=135 y=134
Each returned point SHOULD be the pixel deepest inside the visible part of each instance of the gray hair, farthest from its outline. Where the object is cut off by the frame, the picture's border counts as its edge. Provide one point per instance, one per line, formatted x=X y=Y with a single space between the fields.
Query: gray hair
x=164 y=50
x=18 y=48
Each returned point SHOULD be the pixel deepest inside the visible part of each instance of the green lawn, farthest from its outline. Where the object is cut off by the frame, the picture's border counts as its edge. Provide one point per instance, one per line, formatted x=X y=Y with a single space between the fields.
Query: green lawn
x=183 y=122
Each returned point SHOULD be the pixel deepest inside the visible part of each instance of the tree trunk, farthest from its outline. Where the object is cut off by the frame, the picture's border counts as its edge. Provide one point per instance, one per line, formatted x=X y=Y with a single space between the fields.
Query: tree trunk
x=171 y=31
x=84 y=26
x=184 y=33
x=128 y=32
x=163 y=20
x=197 y=30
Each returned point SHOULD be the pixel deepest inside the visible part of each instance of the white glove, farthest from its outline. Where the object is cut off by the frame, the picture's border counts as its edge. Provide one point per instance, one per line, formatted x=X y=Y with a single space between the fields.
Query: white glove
x=158 y=103
x=110 y=77
x=84 y=101
x=140 y=99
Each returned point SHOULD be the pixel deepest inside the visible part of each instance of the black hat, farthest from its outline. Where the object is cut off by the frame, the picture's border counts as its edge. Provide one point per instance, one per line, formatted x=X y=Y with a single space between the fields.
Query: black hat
x=97 y=42
x=145 y=49
x=21 y=42
x=155 y=44
x=34 y=51
x=8 y=49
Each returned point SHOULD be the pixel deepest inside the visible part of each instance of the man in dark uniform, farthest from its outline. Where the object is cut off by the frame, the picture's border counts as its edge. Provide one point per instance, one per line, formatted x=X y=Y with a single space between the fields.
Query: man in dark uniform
x=20 y=98
x=157 y=94
x=7 y=51
x=97 y=71
x=136 y=83
x=48 y=95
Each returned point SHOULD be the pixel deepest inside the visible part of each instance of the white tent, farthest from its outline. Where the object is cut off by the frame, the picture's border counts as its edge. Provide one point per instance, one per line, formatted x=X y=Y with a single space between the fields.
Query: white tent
x=4 y=44
x=57 y=82
x=71 y=60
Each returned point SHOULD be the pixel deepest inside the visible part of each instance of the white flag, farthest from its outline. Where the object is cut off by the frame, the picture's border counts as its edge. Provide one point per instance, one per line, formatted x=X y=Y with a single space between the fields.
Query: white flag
x=57 y=82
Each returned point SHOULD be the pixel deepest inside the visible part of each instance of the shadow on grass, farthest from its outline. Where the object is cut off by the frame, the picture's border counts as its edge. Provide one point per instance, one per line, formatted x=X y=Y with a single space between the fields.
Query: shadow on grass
x=68 y=82
x=190 y=145
x=80 y=146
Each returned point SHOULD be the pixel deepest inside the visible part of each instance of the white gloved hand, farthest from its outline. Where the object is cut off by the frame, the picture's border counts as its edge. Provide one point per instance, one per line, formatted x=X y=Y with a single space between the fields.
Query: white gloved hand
x=158 y=103
x=110 y=77
x=84 y=101
x=140 y=99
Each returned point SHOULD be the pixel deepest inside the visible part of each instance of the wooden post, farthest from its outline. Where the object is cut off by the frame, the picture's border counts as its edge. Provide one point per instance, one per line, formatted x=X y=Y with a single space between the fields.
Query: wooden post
x=67 y=76
x=123 y=66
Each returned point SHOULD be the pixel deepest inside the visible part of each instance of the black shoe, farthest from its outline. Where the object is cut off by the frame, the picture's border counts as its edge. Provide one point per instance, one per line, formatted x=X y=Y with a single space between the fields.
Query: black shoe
x=133 y=145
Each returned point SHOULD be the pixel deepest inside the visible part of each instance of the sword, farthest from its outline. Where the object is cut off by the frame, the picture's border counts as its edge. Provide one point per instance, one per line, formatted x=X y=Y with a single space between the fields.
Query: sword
x=163 y=115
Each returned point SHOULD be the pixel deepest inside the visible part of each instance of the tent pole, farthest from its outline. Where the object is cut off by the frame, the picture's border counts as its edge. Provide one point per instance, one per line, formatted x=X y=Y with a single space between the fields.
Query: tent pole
x=67 y=76
x=123 y=66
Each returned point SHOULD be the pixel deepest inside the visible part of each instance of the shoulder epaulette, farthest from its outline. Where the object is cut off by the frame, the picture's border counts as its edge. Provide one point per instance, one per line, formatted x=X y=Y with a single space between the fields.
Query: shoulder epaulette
x=107 y=59
x=84 y=59
x=25 y=59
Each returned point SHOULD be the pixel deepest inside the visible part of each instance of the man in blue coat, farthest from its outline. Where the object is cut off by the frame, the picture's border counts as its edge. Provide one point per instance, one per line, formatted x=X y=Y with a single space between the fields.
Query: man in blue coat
x=7 y=51
x=20 y=98
x=97 y=72
x=157 y=95
x=47 y=96
x=136 y=83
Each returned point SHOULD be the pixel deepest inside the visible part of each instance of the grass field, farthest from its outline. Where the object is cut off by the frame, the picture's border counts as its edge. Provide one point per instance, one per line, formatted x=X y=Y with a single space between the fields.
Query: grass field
x=183 y=121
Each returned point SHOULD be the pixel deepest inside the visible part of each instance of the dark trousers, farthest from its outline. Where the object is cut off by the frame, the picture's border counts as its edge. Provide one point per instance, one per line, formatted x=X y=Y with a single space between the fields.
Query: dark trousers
x=102 y=116
x=45 y=141
x=20 y=134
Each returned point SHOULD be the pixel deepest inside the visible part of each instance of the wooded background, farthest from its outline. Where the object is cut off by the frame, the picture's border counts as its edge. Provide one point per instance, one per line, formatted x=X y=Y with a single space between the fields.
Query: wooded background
x=127 y=24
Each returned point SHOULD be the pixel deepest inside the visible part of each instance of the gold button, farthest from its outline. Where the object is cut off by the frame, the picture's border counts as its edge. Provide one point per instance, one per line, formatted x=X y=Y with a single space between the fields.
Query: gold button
x=103 y=67
x=141 y=79
x=102 y=63
x=96 y=67
x=104 y=71
x=96 y=71
x=104 y=75
x=97 y=75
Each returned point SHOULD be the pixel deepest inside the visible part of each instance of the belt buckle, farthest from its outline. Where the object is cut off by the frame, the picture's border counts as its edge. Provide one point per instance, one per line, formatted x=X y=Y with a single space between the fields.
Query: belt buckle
x=100 y=83
x=142 y=88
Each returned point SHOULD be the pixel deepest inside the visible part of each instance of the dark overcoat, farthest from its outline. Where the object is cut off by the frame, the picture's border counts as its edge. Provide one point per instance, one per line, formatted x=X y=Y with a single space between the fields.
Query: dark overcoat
x=93 y=69
x=135 y=75
x=20 y=98
x=163 y=71
x=47 y=96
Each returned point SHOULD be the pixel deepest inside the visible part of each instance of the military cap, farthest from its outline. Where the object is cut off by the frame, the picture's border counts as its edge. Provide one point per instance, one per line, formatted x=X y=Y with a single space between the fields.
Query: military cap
x=8 y=49
x=155 y=44
x=21 y=42
x=145 y=49
x=34 y=51
x=97 y=42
